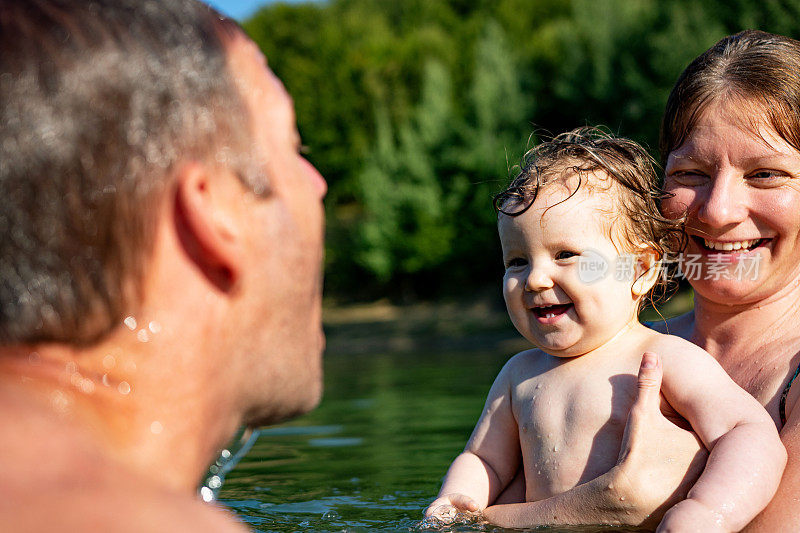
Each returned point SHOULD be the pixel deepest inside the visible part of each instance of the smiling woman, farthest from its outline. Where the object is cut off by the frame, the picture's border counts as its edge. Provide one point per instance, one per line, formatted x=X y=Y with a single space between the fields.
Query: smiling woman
x=734 y=182
x=731 y=142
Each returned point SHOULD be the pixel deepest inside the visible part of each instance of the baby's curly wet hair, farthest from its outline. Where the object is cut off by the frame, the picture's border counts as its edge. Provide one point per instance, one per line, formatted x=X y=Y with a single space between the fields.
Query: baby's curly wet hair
x=587 y=150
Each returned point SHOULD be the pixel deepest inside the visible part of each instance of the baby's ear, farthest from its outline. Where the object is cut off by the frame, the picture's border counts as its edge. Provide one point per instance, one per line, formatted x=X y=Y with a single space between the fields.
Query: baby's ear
x=648 y=270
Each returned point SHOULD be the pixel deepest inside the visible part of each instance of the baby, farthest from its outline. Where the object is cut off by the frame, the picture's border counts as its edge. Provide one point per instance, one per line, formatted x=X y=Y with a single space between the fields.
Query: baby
x=582 y=242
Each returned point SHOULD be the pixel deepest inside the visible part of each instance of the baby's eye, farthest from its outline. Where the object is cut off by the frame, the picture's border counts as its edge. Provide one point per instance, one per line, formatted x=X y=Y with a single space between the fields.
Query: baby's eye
x=565 y=254
x=516 y=262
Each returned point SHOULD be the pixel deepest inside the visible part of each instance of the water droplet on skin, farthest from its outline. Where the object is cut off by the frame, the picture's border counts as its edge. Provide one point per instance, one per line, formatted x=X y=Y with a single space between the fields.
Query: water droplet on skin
x=130 y=322
x=130 y=367
x=60 y=401
x=71 y=367
x=124 y=387
x=76 y=379
x=34 y=358
x=142 y=335
x=105 y=380
x=622 y=498
x=154 y=327
x=87 y=386
x=109 y=361
x=538 y=385
x=555 y=449
x=156 y=428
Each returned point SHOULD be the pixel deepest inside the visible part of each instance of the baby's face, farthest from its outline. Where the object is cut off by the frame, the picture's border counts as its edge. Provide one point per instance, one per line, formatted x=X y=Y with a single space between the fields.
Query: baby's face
x=566 y=286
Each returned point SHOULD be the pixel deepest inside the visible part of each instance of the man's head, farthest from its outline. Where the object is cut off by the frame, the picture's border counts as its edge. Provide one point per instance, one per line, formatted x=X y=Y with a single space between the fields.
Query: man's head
x=99 y=101
x=149 y=164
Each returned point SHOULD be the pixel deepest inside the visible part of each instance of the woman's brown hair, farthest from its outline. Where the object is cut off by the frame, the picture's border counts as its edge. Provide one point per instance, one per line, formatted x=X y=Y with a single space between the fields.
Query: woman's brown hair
x=752 y=67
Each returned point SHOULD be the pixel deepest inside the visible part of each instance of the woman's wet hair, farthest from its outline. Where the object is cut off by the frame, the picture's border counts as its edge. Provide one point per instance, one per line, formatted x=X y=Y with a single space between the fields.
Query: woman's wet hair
x=756 y=70
x=99 y=101
x=634 y=184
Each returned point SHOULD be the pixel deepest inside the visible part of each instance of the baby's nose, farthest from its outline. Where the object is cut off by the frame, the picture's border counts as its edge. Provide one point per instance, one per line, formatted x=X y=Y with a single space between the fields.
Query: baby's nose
x=538 y=280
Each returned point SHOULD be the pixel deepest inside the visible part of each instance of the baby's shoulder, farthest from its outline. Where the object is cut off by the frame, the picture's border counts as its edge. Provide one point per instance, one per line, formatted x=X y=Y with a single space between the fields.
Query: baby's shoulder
x=674 y=350
x=527 y=364
x=665 y=344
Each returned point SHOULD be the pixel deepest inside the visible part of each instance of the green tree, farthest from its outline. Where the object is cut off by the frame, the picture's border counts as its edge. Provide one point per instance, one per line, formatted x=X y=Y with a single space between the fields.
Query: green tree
x=416 y=110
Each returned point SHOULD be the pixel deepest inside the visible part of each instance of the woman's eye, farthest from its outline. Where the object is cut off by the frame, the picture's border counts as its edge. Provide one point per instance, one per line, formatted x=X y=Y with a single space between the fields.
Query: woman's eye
x=688 y=178
x=516 y=262
x=565 y=254
x=767 y=178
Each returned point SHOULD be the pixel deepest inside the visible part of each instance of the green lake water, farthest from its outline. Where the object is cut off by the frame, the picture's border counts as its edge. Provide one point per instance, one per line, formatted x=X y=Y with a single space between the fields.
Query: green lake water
x=372 y=456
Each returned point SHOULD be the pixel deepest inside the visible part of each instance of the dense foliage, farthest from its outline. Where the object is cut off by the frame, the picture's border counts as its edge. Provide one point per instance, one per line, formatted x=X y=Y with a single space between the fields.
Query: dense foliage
x=416 y=111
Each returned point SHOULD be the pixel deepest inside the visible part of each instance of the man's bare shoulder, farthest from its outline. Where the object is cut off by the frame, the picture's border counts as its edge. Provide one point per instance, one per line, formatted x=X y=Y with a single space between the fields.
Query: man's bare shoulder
x=56 y=478
x=113 y=508
x=104 y=500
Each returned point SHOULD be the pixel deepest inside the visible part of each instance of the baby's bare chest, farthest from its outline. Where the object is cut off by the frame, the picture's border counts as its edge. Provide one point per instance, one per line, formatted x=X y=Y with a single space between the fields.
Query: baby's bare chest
x=571 y=422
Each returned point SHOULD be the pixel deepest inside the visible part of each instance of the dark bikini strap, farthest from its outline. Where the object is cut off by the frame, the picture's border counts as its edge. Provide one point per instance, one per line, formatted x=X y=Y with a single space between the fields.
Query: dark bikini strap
x=782 y=403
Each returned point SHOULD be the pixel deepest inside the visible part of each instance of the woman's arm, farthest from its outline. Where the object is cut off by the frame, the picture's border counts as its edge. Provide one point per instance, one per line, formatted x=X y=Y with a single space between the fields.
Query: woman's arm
x=783 y=511
x=746 y=456
x=635 y=492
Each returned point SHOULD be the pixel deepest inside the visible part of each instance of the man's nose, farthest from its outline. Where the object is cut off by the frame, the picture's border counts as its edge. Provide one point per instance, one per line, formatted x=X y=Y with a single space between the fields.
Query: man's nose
x=723 y=203
x=318 y=182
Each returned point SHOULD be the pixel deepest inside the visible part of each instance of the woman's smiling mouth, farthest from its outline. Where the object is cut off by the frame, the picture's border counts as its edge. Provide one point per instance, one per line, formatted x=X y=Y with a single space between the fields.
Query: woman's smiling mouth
x=721 y=247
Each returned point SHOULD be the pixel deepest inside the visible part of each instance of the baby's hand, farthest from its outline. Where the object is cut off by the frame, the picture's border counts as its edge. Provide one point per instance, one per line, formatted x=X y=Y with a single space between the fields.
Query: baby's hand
x=446 y=507
x=691 y=515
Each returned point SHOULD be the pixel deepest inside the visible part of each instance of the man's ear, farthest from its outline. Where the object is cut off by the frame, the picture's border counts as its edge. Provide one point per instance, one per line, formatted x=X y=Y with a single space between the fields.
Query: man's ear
x=647 y=270
x=204 y=228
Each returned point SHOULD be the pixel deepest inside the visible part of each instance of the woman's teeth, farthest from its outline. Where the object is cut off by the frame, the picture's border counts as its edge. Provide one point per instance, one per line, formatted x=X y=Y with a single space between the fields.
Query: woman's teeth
x=730 y=246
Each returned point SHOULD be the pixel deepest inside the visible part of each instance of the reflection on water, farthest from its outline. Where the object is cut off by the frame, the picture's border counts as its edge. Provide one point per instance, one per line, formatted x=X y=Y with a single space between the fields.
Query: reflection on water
x=372 y=456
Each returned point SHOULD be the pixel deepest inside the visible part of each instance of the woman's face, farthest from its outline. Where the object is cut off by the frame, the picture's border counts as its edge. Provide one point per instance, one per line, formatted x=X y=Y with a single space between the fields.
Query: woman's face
x=738 y=182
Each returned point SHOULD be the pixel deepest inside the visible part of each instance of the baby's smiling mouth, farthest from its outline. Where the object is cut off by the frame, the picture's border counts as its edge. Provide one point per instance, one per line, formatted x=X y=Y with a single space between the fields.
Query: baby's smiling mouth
x=550 y=311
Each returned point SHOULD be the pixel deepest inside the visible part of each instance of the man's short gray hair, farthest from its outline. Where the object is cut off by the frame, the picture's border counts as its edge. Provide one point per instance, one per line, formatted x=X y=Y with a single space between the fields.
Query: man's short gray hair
x=99 y=100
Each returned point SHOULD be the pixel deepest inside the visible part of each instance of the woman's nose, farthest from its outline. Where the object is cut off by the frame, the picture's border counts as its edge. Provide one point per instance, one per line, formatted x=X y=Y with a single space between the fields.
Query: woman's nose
x=723 y=204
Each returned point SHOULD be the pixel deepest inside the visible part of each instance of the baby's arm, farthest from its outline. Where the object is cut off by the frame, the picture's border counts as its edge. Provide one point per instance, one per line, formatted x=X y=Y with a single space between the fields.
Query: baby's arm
x=746 y=456
x=491 y=457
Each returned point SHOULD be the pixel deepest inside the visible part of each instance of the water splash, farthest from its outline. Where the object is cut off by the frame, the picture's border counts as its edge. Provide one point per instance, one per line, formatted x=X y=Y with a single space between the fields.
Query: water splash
x=447 y=517
x=227 y=461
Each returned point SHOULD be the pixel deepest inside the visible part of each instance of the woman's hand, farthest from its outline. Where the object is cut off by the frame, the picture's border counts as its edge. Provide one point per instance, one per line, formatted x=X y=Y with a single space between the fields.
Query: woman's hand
x=653 y=486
